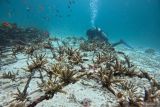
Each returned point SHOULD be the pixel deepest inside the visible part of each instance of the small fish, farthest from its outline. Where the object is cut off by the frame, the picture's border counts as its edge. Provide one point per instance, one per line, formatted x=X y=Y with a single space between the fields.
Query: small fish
x=56 y=15
x=70 y=2
x=28 y=9
x=69 y=6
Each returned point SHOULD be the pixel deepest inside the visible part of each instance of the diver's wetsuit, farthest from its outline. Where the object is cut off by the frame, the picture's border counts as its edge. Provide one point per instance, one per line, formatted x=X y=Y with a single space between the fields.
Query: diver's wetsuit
x=96 y=34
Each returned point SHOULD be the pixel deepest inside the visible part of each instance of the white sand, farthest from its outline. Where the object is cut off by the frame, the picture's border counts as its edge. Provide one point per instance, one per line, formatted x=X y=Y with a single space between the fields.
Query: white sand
x=77 y=92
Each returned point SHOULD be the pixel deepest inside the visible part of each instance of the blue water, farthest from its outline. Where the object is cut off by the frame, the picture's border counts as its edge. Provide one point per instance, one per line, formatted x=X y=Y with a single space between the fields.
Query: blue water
x=135 y=21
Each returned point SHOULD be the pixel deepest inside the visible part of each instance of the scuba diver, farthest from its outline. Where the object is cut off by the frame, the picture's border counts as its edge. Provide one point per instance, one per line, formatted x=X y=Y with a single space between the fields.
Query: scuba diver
x=98 y=35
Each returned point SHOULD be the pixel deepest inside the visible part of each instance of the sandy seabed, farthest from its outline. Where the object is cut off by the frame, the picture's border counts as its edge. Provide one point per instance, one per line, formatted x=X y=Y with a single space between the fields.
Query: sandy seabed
x=84 y=92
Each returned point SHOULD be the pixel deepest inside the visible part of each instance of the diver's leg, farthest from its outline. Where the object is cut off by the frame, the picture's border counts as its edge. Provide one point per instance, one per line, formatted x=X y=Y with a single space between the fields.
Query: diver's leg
x=121 y=42
x=116 y=44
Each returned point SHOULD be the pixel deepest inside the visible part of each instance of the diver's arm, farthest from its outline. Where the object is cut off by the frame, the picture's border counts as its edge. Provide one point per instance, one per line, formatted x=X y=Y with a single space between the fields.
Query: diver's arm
x=105 y=36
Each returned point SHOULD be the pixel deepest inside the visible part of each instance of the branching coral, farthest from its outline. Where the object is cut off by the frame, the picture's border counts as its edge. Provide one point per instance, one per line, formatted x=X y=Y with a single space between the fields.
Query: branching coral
x=130 y=88
x=70 y=52
x=118 y=68
x=17 y=48
x=103 y=57
x=152 y=95
x=107 y=65
x=100 y=58
x=67 y=75
x=50 y=88
x=64 y=43
x=131 y=72
x=86 y=46
x=129 y=95
x=60 y=58
x=38 y=62
x=107 y=80
x=9 y=75
x=30 y=50
x=48 y=45
x=77 y=58
x=127 y=60
x=20 y=96
x=61 y=50
x=55 y=70
x=152 y=80
x=18 y=104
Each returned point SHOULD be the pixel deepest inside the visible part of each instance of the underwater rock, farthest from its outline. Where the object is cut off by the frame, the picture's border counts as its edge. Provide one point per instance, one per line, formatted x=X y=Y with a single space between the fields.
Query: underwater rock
x=150 y=51
x=18 y=35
